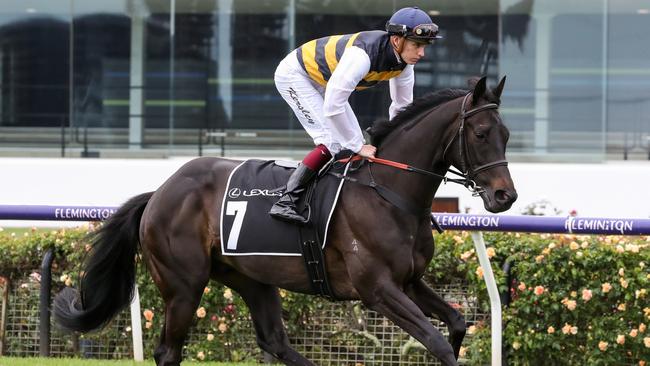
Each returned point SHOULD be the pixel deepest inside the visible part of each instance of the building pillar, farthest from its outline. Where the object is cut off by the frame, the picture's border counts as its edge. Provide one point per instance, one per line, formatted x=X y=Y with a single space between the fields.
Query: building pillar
x=224 y=49
x=542 y=77
x=136 y=75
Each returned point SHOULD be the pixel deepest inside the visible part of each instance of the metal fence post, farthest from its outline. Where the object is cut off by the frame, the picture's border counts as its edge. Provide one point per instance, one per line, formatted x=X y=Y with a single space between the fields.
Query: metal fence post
x=3 y=315
x=136 y=327
x=44 y=303
x=493 y=292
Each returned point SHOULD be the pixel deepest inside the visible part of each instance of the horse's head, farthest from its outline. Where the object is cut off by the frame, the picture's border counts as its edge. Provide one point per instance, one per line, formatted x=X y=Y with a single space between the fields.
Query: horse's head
x=479 y=145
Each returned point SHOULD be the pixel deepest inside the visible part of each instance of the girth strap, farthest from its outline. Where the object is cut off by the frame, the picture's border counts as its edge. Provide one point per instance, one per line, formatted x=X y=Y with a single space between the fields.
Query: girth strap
x=312 y=253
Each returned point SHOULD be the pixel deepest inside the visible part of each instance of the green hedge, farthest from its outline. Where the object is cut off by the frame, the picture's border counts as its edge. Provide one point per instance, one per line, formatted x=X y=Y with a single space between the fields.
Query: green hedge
x=576 y=299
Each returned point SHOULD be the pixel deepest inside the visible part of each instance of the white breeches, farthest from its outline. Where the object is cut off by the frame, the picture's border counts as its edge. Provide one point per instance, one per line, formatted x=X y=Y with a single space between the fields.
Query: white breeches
x=305 y=97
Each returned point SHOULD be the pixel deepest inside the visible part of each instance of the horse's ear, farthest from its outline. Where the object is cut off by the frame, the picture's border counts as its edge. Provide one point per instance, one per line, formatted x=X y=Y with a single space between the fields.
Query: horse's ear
x=499 y=89
x=479 y=89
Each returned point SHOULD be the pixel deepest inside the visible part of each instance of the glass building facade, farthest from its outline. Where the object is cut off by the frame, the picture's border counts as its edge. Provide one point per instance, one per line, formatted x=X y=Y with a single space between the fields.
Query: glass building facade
x=197 y=75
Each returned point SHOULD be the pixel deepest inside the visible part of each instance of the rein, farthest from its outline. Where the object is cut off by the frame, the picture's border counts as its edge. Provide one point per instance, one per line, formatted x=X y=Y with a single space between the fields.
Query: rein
x=403 y=166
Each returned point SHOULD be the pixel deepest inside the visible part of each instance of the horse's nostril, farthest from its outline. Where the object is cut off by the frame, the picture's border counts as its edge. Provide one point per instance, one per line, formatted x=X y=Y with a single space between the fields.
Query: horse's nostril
x=503 y=196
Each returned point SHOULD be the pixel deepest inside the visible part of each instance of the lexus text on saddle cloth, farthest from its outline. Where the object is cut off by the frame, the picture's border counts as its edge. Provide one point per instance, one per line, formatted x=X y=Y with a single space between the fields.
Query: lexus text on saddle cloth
x=253 y=192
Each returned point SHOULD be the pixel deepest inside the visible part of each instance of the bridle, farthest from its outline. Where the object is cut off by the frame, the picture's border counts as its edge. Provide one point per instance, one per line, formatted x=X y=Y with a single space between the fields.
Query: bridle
x=467 y=172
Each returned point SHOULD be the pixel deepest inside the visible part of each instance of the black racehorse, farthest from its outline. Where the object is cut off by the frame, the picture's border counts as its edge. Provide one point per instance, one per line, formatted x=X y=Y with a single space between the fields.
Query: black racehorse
x=377 y=251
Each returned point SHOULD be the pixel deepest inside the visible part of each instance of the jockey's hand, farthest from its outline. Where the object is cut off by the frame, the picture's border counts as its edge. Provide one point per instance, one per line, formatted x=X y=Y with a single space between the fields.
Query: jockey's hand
x=367 y=151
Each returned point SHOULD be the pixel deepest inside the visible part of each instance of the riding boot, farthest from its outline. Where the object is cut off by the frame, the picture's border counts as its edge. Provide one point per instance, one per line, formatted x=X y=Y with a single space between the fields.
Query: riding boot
x=285 y=208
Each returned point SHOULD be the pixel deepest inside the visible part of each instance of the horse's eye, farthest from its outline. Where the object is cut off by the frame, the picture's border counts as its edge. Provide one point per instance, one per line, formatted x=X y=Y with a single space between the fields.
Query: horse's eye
x=480 y=135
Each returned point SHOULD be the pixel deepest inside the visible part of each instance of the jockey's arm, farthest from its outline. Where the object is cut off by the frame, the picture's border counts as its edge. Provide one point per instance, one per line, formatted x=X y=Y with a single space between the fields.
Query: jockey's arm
x=352 y=67
x=401 y=91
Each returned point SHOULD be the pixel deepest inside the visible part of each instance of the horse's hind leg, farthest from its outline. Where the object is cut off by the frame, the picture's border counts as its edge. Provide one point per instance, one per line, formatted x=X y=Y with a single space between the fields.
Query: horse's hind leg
x=181 y=275
x=431 y=303
x=265 y=307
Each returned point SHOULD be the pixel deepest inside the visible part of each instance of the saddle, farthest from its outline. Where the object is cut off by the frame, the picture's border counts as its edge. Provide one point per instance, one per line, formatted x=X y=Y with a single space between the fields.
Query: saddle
x=247 y=228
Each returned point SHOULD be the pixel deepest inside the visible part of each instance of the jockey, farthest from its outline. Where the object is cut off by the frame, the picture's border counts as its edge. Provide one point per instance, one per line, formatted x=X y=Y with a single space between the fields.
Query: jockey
x=317 y=78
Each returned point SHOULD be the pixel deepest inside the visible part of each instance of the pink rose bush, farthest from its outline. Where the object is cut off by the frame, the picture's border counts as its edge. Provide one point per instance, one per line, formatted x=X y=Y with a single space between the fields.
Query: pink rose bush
x=575 y=299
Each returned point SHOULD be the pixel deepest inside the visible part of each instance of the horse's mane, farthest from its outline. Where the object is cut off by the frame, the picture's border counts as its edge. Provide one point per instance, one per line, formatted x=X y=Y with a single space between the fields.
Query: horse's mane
x=382 y=128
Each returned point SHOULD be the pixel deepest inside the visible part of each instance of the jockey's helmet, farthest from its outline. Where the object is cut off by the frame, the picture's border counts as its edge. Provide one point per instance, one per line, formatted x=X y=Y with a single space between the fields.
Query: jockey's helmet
x=413 y=23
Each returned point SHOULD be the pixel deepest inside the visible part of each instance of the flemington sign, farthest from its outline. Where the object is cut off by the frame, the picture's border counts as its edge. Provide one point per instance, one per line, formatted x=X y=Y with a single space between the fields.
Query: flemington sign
x=544 y=224
x=448 y=221
x=55 y=213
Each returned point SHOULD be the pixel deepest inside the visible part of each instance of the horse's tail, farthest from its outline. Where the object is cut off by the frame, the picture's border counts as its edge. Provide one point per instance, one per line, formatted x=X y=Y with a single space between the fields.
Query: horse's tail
x=108 y=281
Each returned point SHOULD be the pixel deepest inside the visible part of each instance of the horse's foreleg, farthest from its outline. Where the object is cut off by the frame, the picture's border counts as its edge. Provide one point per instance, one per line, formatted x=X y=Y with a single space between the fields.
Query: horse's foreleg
x=265 y=308
x=431 y=303
x=387 y=299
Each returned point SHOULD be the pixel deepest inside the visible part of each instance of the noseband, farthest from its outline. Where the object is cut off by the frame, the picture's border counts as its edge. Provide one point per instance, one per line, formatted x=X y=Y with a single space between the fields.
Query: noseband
x=468 y=173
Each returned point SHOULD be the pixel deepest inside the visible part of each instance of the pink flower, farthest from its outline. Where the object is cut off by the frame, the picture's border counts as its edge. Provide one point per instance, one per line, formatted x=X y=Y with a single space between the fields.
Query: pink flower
x=148 y=315
x=586 y=295
x=223 y=327
x=229 y=309
x=566 y=329
x=522 y=286
x=606 y=287
x=490 y=252
x=550 y=330
x=539 y=290
x=227 y=294
x=602 y=346
x=200 y=312
x=465 y=256
x=570 y=304
x=620 y=339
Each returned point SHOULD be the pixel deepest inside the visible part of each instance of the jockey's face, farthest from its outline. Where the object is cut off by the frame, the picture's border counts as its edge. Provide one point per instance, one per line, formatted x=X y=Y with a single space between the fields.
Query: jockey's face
x=411 y=51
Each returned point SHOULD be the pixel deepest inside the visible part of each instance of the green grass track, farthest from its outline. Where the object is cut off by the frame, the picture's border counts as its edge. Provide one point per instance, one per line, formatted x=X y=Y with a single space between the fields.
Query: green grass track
x=15 y=361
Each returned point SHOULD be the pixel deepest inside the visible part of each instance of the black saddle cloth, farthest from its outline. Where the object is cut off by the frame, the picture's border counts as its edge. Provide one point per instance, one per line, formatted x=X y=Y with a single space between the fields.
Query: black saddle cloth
x=253 y=187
